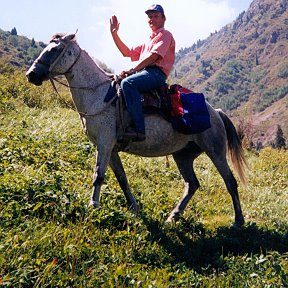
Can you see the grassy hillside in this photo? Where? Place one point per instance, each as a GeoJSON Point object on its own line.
{"type": "Point", "coordinates": [19, 51]}
{"type": "Point", "coordinates": [243, 68]}
{"type": "Point", "coordinates": [49, 237]}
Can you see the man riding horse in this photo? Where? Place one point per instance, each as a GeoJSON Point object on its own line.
{"type": "Point", "coordinates": [89, 84]}
{"type": "Point", "coordinates": [156, 58]}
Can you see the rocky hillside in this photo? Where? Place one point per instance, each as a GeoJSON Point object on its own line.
{"type": "Point", "coordinates": [243, 68]}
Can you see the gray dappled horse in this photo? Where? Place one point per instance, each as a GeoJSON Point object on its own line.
{"type": "Point", "coordinates": [89, 85]}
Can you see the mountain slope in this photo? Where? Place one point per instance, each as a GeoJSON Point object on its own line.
{"type": "Point", "coordinates": [19, 51]}
{"type": "Point", "coordinates": [243, 68]}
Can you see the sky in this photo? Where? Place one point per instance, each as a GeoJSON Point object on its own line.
{"type": "Point", "coordinates": [188, 20]}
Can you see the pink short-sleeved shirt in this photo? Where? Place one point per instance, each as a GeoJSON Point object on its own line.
{"type": "Point", "coordinates": [162, 43]}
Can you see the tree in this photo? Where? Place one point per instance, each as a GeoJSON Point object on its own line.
{"type": "Point", "coordinates": [279, 138]}
{"type": "Point", "coordinates": [274, 37]}
{"type": "Point", "coordinates": [14, 31]}
{"type": "Point", "coordinates": [257, 59]}
{"type": "Point", "coordinates": [205, 67]}
{"type": "Point", "coordinates": [259, 146]}
{"type": "Point", "coordinates": [33, 44]}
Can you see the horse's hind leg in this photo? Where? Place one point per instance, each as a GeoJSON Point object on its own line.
{"type": "Point", "coordinates": [117, 167]}
{"type": "Point", "coordinates": [184, 160]}
{"type": "Point", "coordinates": [222, 166]}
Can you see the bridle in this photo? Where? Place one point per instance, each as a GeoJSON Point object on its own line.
{"type": "Point", "coordinates": [53, 64]}
{"type": "Point", "coordinates": [52, 79]}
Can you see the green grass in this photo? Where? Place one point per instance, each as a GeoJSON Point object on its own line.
{"type": "Point", "coordinates": [50, 238]}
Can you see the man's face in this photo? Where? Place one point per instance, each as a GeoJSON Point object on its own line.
{"type": "Point", "coordinates": [155, 20]}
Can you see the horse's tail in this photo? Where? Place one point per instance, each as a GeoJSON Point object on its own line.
{"type": "Point", "coordinates": [235, 147]}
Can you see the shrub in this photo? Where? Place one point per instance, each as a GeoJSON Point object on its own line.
{"type": "Point", "coordinates": [283, 70]}
{"type": "Point", "coordinates": [15, 86]}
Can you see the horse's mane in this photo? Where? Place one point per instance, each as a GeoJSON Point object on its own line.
{"type": "Point", "coordinates": [97, 63]}
{"type": "Point", "coordinates": [59, 35]}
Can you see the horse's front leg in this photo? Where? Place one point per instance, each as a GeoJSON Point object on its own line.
{"type": "Point", "coordinates": [102, 160]}
{"type": "Point", "coordinates": [117, 167]}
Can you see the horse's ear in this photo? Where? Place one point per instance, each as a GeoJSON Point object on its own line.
{"type": "Point", "coordinates": [56, 36]}
{"type": "Point", "coordinates": [70, 37]}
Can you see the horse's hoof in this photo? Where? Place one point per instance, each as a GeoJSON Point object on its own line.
{"type": "Point", "coordinates": [136, 208]}
{"type": "Point", "coordinates": [238, 224]}
{"type": "Point", "coordinates": [93, 204]}
{"type": "Point", "coordinates": [135, 211]}
{"type": "Point", "coordinates": [173, 218]}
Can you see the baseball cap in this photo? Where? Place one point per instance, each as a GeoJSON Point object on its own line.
{"type": "Point", "coordinates": [155, 7]}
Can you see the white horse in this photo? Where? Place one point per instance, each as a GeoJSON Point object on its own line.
{"type": "Point", "coordinates": [89, 85]}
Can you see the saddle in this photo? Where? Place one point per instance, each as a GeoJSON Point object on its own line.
{"type": "Point", "coordinates": [153, 102]}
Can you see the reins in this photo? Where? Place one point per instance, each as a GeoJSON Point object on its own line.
{"type": "Point", "coordinates": [83, 114]}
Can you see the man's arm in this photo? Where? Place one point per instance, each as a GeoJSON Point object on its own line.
{"type": "Point", "coordinates": [150, 60]}
{"type": "Point", "coordinates": [114, 27]}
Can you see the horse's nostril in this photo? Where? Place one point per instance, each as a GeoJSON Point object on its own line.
{"type": "Point", "coordinates": [33, 78]}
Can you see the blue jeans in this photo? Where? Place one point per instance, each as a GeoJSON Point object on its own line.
{"type": "Point", "coordinates": [133, 85]}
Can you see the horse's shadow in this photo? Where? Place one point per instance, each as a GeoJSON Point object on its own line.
{"type": "Point", "coordinates": [197, 247]}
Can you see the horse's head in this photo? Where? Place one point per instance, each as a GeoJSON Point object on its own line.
{"type": "Point", "coordinates": [57, 58]}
